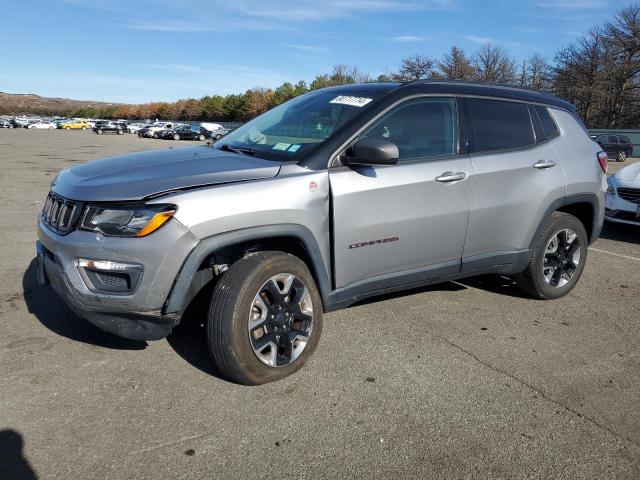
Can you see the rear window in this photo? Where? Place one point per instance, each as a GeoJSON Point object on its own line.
{"type": "Point", "coordinates": [548, 125]}
{"type": "Point", "coordinates": [624, 139]}
{"type": "Point", "coordinates": [500, 125]}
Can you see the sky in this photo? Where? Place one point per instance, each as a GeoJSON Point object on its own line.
{"type": "Point", "coordinates": [137, 51]}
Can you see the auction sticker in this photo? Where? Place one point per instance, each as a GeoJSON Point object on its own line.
{"type": "Point", "coordinates": [352, 101]}
{"type": "Point", "coordinates": [281, 146]}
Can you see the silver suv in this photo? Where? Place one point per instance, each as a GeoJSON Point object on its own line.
{"type": "Point", "coordinates": [337, 195]}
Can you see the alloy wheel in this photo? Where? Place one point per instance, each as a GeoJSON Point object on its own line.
{"type": "Point", "coordinates": [561, 258]}
{"type": "Point", "coordinates": [280, 320]}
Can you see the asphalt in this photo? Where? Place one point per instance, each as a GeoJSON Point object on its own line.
{"type": "Point", "coordinates": [459, 380]}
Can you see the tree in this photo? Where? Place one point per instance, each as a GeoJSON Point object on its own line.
{"type": "Point", "coordinates": [415, 67]}
{"type": "Point", "coordinates": [455, 66]}
{"type": "Point", "coordinates": [493, 64]}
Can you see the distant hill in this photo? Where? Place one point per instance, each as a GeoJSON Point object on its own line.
{"type": "Point", "coordinates": [16, 103]}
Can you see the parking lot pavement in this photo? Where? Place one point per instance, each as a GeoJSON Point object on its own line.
{"type": "Point", "coordinates": [462, 379]}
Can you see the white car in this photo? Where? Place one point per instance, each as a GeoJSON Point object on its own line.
{"type": "Point", "coordinates": [623, 196]}
{"type": "Point", "coordinates": [134, 127]}
{"type": "Point", "coordinates": [151, 130]}
{"type": "Point", "coordinates": [43, 125]}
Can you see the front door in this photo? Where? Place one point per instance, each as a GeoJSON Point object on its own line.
{"type": "Point", "coordinates": [405, 218]}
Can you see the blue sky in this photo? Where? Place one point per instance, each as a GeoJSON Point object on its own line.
{"type": "Point", "coordinates": [142, 50]}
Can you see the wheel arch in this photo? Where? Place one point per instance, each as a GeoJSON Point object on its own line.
{"type": "Point", "coordinates": [197, 270]}
{"type": "Point", "coordinates": [584, 206]}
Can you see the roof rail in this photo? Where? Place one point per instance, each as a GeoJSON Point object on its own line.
{"type": "Point", "coordinates": [472, 83]}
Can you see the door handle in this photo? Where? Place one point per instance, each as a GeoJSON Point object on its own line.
{"type": "Point", "coordinates": [448, 177]}
{"type": "Point", "coordinates": [541, 164]}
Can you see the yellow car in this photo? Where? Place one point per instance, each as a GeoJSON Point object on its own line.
{"type": "Point", "coordinates": [76, 125]}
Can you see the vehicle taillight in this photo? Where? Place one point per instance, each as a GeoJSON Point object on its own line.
{"type": "Point", "coordinates": [602, 160]}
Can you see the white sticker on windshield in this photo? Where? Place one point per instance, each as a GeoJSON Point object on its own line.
{"type": "Point", "coordinates": [281, 146]}
{"type": "Point", "coordinates": [352, 101]}
{"type": "Point", "coordinates": [294, 147]}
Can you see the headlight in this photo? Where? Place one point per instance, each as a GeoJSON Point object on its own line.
{"type": "Point", "coordinates": [611, 187]}
{"type": "Point", "coordinates": [126, 221]}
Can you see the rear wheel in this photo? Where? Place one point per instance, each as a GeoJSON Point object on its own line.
{"type": "Point", "coordinates": [201, 137]}
{"type": "Point", "coordinates": [120, 132]}
{"type": "Point", "coordinates": [176, 137]}
{"type": "Point", "coordinates": [84, 128]}
{"type": "Point", "coordinates": [99, 132]}
{"type": "Point", "coordinates": [558, 258]}
{"type": "Point", "coordinates": [265, 318]}
{"type": "Point", "coordinates": [622, 156]}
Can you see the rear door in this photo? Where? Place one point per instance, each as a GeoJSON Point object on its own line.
{"type": "Point", "coordinates": [517, 176]}
{"type": "Point", "coordinates": [389, 220]}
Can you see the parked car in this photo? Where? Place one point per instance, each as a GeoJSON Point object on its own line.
{"type": "Point", "coordinates": [136, 127]}
{"type": "Point", "coordinates": [43, 125]}
{"type": "Point", "coordinates": [110, 127]}
{"type": "Point", "coordinates": [184, 132]}
{"type": "Point", "coordinates": [623, 196]}
{"type": "Point", "coordinates": [332, 197]}
{"type": "Point", "coordinates": [75, 125]}
{"type": "Point", "coordinates": [6, 124]}
{"type": "Point", "coordinates": [216, 131]}
{"type": "Point", "coordinates": [616, 146]}
{"type": "Point", "coordinates": [151, 130]}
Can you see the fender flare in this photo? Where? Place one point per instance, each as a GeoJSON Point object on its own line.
{"type": "Point", "coordinates": [559, 203]}
{"type": "Point", "coordinates": [181, 293]}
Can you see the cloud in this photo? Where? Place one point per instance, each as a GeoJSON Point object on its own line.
{"type": "Point", "coordinates": [409, 38]}
{"type": "Point", "coordinates": [574, 4]}
{"type": "Point", "coordinates": [311, 49]}
{"type": "Point", "coordinates": [193, 16]}
{"type": "Point", "coordinates": [477, 39]}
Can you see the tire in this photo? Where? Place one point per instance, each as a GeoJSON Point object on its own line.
{"type": "Point", "coordinates": [622, 156]}
{"type": "Point", "coordinates": [84, 128]}
{"type": "Point", "coordinates": [218, 137]}
{"type": "Point", "coordinates": [533, 280]}
{"type": "Point", "coordinates": [176, 137]}
{"type": "Point", "coordinates": [67, 128]}
{"type": "Point", "coordinates": [234, 298]}
{"type": "Point", "coordinates": [99, 132]}
{"type": "Point", "coordinates": [120, 132]}
{"type": "Point", "coordinates": [50, 128]}
{"type": "Point", "coordinates": [201, 137]}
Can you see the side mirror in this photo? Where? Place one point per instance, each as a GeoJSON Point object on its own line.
{"type": "Point", "coordinates": [372, 151]}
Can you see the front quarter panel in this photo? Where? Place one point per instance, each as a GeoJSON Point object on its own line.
{"type": "Point", "coordinates": [295, 196]}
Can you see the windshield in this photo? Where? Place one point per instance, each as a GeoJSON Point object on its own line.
{"type": "Point", "coordinates": [298, 125]}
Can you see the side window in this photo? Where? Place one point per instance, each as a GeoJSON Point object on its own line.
{"type": "Point", "coordinates": [624, 139]}
{"type": "Point", "coordinates": [548, 125]}
{"type": "Point", "coordinates": [613, 139]}
{"type": "Point", "coordinates": [500, 125]}
{"type": "Point", "coordinates": [420, 128]}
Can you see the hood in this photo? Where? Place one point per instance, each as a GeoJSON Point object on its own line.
{"type": "Point", "coordinates": [138, 175]}
{"type": "Point", "coordinates": [629, 174]}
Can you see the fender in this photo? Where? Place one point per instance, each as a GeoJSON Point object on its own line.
{"type": "Point", "coordinates": [558, 204]}
{"type": "Point", "coordinates": [181, 293]}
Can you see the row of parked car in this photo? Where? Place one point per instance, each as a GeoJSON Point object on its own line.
{"type": "Point", "coordinates": [157, 129]}
{"type": "Point", "coordinates": [163, 130]}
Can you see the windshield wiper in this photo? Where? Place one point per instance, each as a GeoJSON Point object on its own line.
{"type": "Point", "coordinates": [243, 150]}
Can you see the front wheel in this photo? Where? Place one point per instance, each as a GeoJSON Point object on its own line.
{"type": "Point", "coordinates": [201, 137]}
{"type": "Point", "coordinates": [176, 137]}
{"type": "Point", "coordinates": [120, 132]}
{"type": "Point", "coordinates": [622, 156]}
{"type": "Point", "coordinates": [558, 258]}
{"type": "Point", "coordinates": [265, 318]}
{"type": "Point", "coordinates": [99, 132]}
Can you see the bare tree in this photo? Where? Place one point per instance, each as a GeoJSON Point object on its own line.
{"type": "Point", "coordinates": [493, 64]}
{"type": "Point", "coordinates": [415, 67]}
{"type": "Point", "coordinates": [455, 66]}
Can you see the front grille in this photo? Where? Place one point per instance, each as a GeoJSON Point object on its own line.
{"type": "Point", "coordinates": [630, 194]}
{"type": "Point", "coordinates": [59, 214]}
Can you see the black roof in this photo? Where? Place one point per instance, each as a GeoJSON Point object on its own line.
{"type": "Point", "coordinates": [454, 87]}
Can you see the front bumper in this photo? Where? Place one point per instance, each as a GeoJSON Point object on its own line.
{"type": "Point", "coordinates": [137, 315]}
{"type": "Point", "coordinates": [619, 210]}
